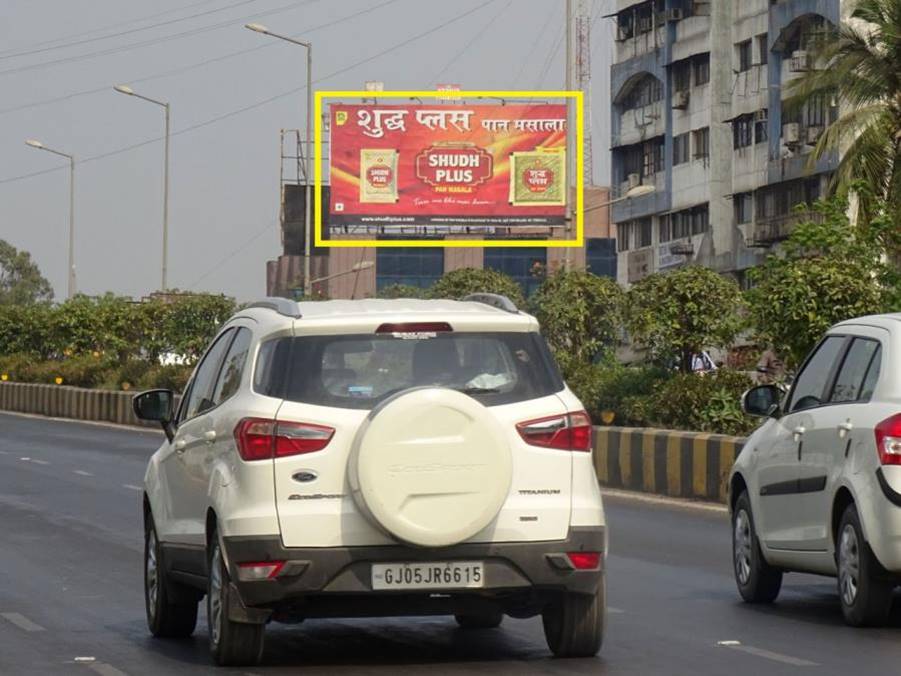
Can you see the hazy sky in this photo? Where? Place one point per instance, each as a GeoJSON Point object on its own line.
{"type": "Point", "coordinates": [223, 220]}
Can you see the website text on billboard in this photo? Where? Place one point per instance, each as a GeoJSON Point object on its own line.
{"type": "Point", "coordinates": [444, 164]}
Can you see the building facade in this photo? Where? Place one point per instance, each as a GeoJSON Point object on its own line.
{"type": "Point", "coordinates": [381, 267]}
{"type": "Point", "coordinates": [698, 91]}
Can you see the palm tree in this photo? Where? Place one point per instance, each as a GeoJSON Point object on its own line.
{"type": "Point", "coordinates": [859, 67]}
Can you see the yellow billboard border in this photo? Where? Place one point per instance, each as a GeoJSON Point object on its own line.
{"type": "Point", "coordinates": [577, 96]}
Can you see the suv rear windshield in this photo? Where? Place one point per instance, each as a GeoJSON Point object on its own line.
{"type": "Point", "coordinates": [359, 371]}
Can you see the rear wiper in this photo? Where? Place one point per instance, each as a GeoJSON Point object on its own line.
{"type": "Point", "coordinates": [478, 390]}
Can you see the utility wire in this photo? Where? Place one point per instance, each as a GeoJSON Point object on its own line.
{"type": "Point", "coordinates": [263, 102]}
{"type": "Point", "coordinates": [225, 259]}
{"type": "Point", "coordinates": [156, 41]}
{"type": "Point", "coordinates": [197, 64]}
{"type": "Point", "coordinates": [98, 38]}
{"type": "Point", "coordinates": [541, 30]}
{"type": "Point", "coordinates": [472, 40]}
{"type": "Point", "coordinates": [100, 29]}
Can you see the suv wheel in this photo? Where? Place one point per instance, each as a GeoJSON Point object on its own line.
{"type": "Point", "coordinates": [232, 643]}
{"type": "Point", "coordinates": [863, 585]}
{"type": "Point", "coordinates": [757, 581]}
{"type": "Point", "coordinates": [574, 623]}
{"type": "Point", "coordinates": [480, 621]}
{"type": "Point", "coordinates": [165, 617]}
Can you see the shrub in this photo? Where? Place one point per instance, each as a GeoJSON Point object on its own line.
{"type": "Point", "coordinates": [402, 291]}
{"type": "Point", "coordinates": [613, 388]}
{"type": "Point", "coordinates": [459, 283]}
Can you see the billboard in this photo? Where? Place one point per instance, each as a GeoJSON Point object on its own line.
{"type": "Point", "coordinates": [447, 164]}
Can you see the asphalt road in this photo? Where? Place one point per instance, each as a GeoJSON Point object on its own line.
{"type": "Point", "coordinates": [71, 599]}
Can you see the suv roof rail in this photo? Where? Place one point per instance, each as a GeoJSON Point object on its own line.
{"type": "Point", "coordinates": [495, 300]}
{"type": "Point", "coordinates": [284, 306]}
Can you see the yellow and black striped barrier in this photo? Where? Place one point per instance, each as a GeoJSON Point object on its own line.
{"type": "Point", "coordinates": [668, 462]}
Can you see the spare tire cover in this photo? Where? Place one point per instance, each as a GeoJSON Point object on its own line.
{"type": "Point", "coordinates": [431, 466]}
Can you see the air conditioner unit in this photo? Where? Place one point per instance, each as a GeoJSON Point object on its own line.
{"type": "Point", "coordinates": [634, 180]}
{"type": "Point", "coordinates": [675, 14]}
{"type": "Point", "coordinates": [791, 132]}
{"type": "Point", "coordinates": [680, 99]}
{"type": "Point", "coordinates": [800, 61]}
{"type": "Point", "coordinates": [813, 134]}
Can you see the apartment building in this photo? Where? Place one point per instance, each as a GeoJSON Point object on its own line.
{"type": "Point", "coordinates": [698, 91]}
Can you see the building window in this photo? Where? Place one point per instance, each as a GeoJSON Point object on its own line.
{"type": "Point", "coordinates": [652, 157]}
{"type": "Point", "coordinates": [600, 257]}
{"type": "Point", "coordinates": [742, 202]}
{"type": "Point", "coordinates": [743, 50]}
{"type": "Point", "coordinates": [701, 67]}
{"type": "Point", "coordinates": [781, 199]}
{"type": "Point", "coordinates": [681, 148]}
{"type": "Point", "coordinates": [742, 131]}
{"type": "Point", "coordinates": [665, 229]}
{"type": "Point", "coordinates": [762, 50]}
{"type": "Point", "coordinates": [645, 92]}
{"type": "Point", "coordinates": [760, 126]}
{"type": "Point", "coordinates": [420, 267]}
{"type": "Point", "coordinates": [644, 232]}
{"type": "Point", "coordinates": [623, 236]}
{"type": "Point", "coordinates": [526, 265]}
{"type": "Point", "coordinates": [701, 142]}
{"type": "Point", "coordinates": [682, 75]}
{"type": "Point", "coordinates": [700, 219]}
{"type": "Point", "coordinates": [680, 224]}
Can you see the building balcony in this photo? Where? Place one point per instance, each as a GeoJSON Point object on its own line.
{"type": "Point", "coordinates": [769, 232]}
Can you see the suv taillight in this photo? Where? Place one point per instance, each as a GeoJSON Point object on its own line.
{"type": "Point", "coordinates": [567, 432]}
{"type": "Point", "coordinates": [888, 440]}
{"type": "Point", "coordinates": [263, 439]}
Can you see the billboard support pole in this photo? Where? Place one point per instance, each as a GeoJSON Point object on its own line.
{"type": "Point", "coordinates": [570, 150]}
{"type": "Point", "coordinates": [307, 286]}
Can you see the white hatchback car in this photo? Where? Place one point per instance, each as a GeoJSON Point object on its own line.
{"type": "Point", "coordinates": [375, 457]}
{"type": "Point", "coordinates": [817, 488]}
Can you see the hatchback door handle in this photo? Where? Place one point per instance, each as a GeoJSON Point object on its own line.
{"type": "Point", "coordinates": [844, 428]}
{"type": "Point", "coordinates": [210, 436]}
{"type": "Point", "coordinates": [798, 432]}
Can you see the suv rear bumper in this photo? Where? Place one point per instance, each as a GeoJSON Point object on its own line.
{"type": "Point", "coordinates": [320, 571]}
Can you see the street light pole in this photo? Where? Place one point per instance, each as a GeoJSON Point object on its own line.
{"type": "Point", "coordinates": [308, 161]}
{"type": "Point", "coordinates": [71, 286]}
{"type": "Point", "coordinates": [128, 91]}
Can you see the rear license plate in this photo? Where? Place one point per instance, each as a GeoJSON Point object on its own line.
{"type": "Point", "coordinates": [436, 575]}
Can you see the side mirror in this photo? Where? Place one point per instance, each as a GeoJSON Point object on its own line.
{"type": "Point", "coordinates": [155, 406]}
{"type": "Point", "coordinates": [762, 401]}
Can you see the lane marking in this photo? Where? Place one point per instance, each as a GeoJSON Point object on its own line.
{"type": "Point", "coordinates": [105, 669]}
{"type": "Point", "coordinates": [766, 654]}
{"type": "Point", "coordinates": [663, 500]}
{"type": "Point", "coordinates": [21, 622]}
{"type": "Point", "coordinates": [36, 461]}
{"type": "Point", "coordinates": [615, 611]}
{"type": "Point", "coordinates": [81, 472]}
{"type": "Point", "coordinates": [132, 487]}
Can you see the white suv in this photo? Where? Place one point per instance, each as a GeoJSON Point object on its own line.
{"type": "Point", "coordinates": [375, 457]}
{"type": "Point", "coordinates": [817, 488]}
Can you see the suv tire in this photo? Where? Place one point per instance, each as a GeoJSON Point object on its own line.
{"type": "Point", "coordinates": [864, 588]}
{"type": "Point", "coordinates": [480, 621]}
{"type": "Point", "coordinates": [574, 623]}
{"type": "Point", "coordinates": [166, 617]}
{"type": "Point", "coordinates": [757, 581]}
{"type": "Point", "coordinates": [232, 644]}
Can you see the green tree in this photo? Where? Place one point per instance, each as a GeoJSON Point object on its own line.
{"type": "Point", "coordinates": [859, 66]}
{"type": "Point", "coordinates": [826, 272]}
{"type": "Point", "coordinates": [579, 313]}
{"type": "Point", "coordinates": [21, 281]}
{"type": "Point", "coordinates": [402, 291]}
{"type": "Point", "coordinates": [464, 281]}
{"type": "Point", "coordinates": [680, 313]}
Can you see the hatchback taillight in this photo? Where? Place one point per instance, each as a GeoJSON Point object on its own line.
{"type": "Point", "coordinates": [888, 440]}
{"type": "Point", "coordinates": [566, 432]}
{"type": "Point", "coordinates": [263, 439]}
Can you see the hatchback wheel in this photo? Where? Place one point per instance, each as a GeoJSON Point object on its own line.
{"type": "Point", "coordinates": [167, 617]}
{"type": "Point", "coordinates": [864, 588]}
{"type": "Point", "coordinates": [757, 581]}
{"type": "Point", "coordinates": [232, 644]}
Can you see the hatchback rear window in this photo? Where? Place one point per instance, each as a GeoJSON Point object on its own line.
{"type": "Point", "coordinates": [359, 371]}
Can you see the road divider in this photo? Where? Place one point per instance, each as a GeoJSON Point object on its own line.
{"type": "Point", "coordinates": [667, 462]}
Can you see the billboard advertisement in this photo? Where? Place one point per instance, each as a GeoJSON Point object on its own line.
{"type": "Point", "coordinates": [447, 164]}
